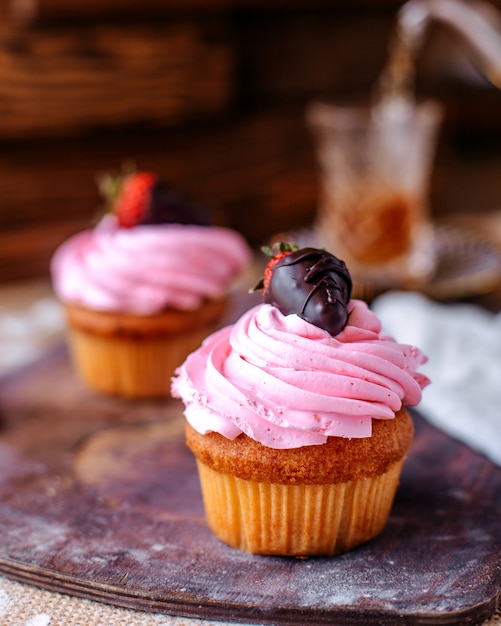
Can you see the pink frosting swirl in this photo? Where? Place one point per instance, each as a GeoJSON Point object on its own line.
{"type": "Point", "coordinates": [287, 383]}
{"type": "Point", "coordinates": [147, 268]}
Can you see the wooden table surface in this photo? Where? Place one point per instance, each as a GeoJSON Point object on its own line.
{"type": "Point", "coordinates": [19, 600]}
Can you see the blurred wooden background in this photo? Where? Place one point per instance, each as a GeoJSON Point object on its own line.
{"type": "Point", "coordinates": [210, 94]}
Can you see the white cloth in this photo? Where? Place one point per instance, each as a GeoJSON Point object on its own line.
{"type": "Point", "coordinates": [463, 345]}
{"type": "Point", "coordinates": [25, 334]}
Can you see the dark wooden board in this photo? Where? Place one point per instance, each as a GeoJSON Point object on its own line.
{"type": "Point", "coordinates": [99, 498]}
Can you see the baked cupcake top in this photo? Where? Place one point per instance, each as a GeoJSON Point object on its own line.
{"type": "Point", "coordinates": [153, 250]}
{"type": "Point", "coordinates": [284, 380]}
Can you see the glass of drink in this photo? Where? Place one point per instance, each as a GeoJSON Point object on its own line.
{"type": "Point", "coordinates": [375, 165]}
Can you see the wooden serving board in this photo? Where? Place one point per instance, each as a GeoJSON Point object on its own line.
{"type": "Point", "coordinates": [99, 498]}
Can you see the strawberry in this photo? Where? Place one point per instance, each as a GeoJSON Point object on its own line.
{"type": "Point", "coordinates": [128, 196]}
{"type": "Point", "coordinates": [310, 283]}
{"type": "Point", "coordinates": [277, 252]}
{"type": "Point", "coordinates": [142, 198]}
{"type": "Point", "coordinates": [170, 206]}
{"type": "Point", "coordinates": [132, 203]}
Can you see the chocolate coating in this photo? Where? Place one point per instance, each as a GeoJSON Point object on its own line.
{"type": "Point", "coordinates": [313, 284]}
{"type": "Point", "coordinates": [168, 206]}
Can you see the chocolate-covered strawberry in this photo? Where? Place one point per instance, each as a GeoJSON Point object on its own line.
{"type": "Point", "coordinates": [312, 283]}
{"type": "Point", "coordinates": [169, 206]}
{"type": "Point", "coordinates": [138, 198]}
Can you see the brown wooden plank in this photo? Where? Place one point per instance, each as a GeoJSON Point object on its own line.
{"type": "Point", "coordinates": [27, 252]}
{"type": "Point", "coordinates": [255, 174]}
{"type": "Point", "coordinates": [99, 498]}
{"type": "Point", "coordinates": [70, 77]}
{"type": "Point", "coordinates": [49, 10]}
{"type": "Point", "coordinates": [317, 53]}
{"type": "Point", "coordinates": [57, 81]}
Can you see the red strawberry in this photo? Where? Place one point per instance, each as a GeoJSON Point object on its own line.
{"type": "Point", "coordinates": [313, 284]}
{"type": "Point", "coordinates": [308, 282]}
{"type": "Point", "coordinates": [269, 268]}
{"type": "Point", "coordinates": [132, 201]}
{"type": "Point", "coordinates": [140, 198]}
{"type": "Point", "coordinates": [277, 252]}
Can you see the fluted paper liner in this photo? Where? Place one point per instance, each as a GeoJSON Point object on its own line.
{"type": "Point", "coordinates": [299, 520]}
{"type": "Point", "coordinates": [135, 356]}
{"type": "Point", "coordinates": [131, 368]}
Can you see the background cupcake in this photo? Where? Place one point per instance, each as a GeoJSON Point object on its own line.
{"type": "Point", "coordinates": [145, 286]}
{"type": "Point", "coordinates": [296, 414]}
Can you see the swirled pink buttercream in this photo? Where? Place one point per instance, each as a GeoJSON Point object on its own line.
{"type": "Point", "coordinates": [147, 268]}
{"type": "Point", "coordinates": [287, 383]}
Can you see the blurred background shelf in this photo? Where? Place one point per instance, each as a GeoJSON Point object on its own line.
{"type": "Point", "coordinates": [210, 94]}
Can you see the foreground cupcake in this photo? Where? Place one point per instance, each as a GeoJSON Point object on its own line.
{"type": "Point", "coordinates": [144, 287]}
{"type": "Point", "coordinates": [296, 414]}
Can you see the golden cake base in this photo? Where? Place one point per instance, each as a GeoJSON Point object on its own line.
{"type": "Point", "coordinates": [135, 356]}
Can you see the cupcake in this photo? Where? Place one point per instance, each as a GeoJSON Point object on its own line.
{"type": "Point", "coordinates": [144, 286]}
{"type": "Point", "coordinates": [296, 414]}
